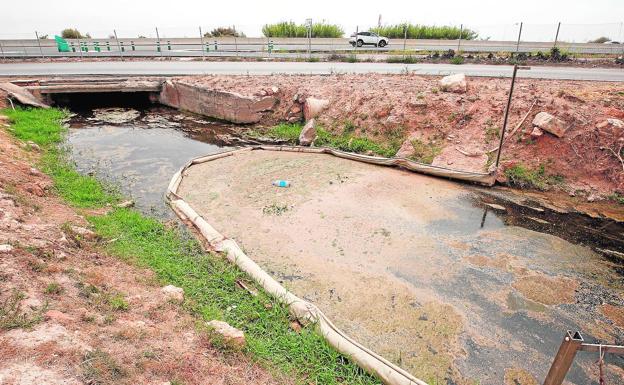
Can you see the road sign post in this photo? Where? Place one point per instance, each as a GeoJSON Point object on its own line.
{"type": "Point", "coordinates": [557, 34]}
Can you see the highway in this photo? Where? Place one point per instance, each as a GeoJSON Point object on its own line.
{"type": "Point", "coordinates": [169, 68]}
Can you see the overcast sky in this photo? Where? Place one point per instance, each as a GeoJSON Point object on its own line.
{"type": "Point", "coordinates": [492, 18]}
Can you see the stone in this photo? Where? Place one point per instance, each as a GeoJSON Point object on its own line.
{"type": "Point", "coordinates": [611, 122]}
{"type": "Point", "coordinates": [232, 337]}
{"type": "Point", "coordinates": [173, 293]}
{"type": "Point", "coordinates": [32, 145]}
{"type": "Point", "coordinates": [6, 248]}
{"type": "Point", "coordinates": [536, 133]}
{"type": "Point", "coordinates": [406, 150]}
{"type": "Point", "coordinates": [454, 83]}
{"type": "Point", "coordinates": [57, 316]}
{"type": "Point", "coordinates": [84, 233]}
{"type": "Point", "coordinates": [496, 207]}
{"type": "Point", "coordinates": [550, 123]}
{"type": "Point", "coordinates": [34, 189]}
{"type": "Point", "coordinates": [125, 204]}
{"type": "Point", "coordinates": [308, 133]}
{"type": "Point", "coordinates": [115, 115]}
{"type": "Point", "coordinates": [313, 107]}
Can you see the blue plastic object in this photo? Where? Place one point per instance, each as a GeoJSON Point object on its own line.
{"type": "Point", "coordinates": [281, 183]}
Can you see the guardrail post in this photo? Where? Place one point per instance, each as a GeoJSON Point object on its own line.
{"type": "Point", "coordinates": [71, 44]}
{"type": "Point", "coordinates": [96, 47]}
{"type": "Point", "coordinates": [519, 34]}
{"type": "Point", "coordinates": [123, 48]}
{"type": "Point", "coordinates": [80, 48]}
{"type": "Point", "coordinates": [216, 47]}
{"type": "Point", "coordinates": [201, 47]}
{"type": "Point", "coordinates": [132, 46]}
{"type": "Point", "coordinates": [108, 46]}
{"type": "Point", "coordinates": [168, 45]}
{"type": "Point", "coordinates": [39, 42]}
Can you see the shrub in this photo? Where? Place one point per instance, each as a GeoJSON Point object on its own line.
{"type": "Point", "coordinates": [600, 40]}
{"type": "Point", "coordinates": [409, 59]}
{"type": "Point", "coordinates": [73, 33]}
{"type": "Point", "coordinates": [290, 29]}
{"type": "Point", "coordinates": [424, 152]}
{"type": "Point", "coordinates": [224, 32]}
{"type": "Point", "coordinates": [457, 60]}
{"type": "Point", "coordinates": [417, 31]}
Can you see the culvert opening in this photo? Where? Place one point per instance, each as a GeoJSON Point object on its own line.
{"type": "Point", "coordinates": [83, 101]}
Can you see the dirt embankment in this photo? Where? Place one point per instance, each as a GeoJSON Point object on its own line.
{"type": "Point", "coordinates": [458, 129]}
{"type": "Point", "coordinates": [71, 314]}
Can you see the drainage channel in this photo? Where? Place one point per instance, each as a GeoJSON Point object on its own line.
{"type": "Point", "coordinates": [496, 258]}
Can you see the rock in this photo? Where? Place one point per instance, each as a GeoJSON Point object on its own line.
{"type": "Point", "coordinates": [274, 90]}
{"type": "Point", "coordinates": [173, 293]}
{"type": "Point", "coordinates": [454, 83]}
{"type": "Point", "coordinates": [34, 172]}
{"type": "Point", "coordinates": [308, 133]}
{"type": "Point", "coordinates": [57, 316]}
{"type": "Point", "coordinates": [293, 119]}
{"type": "Point", "coordinates": [406, 150]}
{"type": "Point", "coordinates": [550, 123]}
{"type": "Point", "coordinates": [611, 122]}
{"type": "Point", "coordinates": [84, 233]}
{"type": "Point", "coordinates": [34, 189]}
{"type": "Point", "coordinates": [536, 133]}
{"type": "Point", "coordinates": [125, 204]}
{"type": "Point", "coordinates": [115, 115]}
{"type": "Point", "coordinates": [232, 337]}
{"type": "Point", "coordinates": [496, 207]}
{"type": "Point", "coordinates": [6, 248]}
{"type": "Point", "coordinates": [313, 107]}
{"type": "Point", "coordinates": [32, 145]}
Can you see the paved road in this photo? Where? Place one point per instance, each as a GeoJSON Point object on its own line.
{"type": "Point", "coordinates": [249, 46]}
{"type": "Point", "coordinates": [266, 68]}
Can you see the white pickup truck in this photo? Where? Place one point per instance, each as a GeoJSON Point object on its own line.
{"type": "Point", "coordinates": [368, 38]}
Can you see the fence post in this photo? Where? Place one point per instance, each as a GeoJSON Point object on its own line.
{"type": "Point", "coordinates": [557, 34]}
{"type": "Point", "coordinates": [118, 45]}
{"type": "Point", "coordinates": [519, 34]}
{"type": "Point", "coordinates": [39, 42]}
{"type": "Point", "coordinates": [502, 136]}
{"type": "Point", "coordinates": [201, 39]}
{"type": "Point", "coordinates": [404, 39]}
{"type": "Point", "coordinates": [461, 30]}
{"type": "Point", "coordinates": [158, 42]}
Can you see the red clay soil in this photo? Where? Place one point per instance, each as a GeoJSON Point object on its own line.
{"type": "Point", "coordinates": [78, 341]}
{"type": "Point", "coordinates": [379, 106]}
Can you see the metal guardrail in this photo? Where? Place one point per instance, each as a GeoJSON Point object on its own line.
{"type": "Point", "coordinates": [267, 46]}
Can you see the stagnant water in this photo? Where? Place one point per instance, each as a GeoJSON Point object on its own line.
{"type": "Point", "coordinates": [140, 156]}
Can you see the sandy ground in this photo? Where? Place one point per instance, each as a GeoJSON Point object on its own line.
{"type": "Point", "coordinates": [80, 340]}
{"type": "Point", "coordinates": [399, 261]}
{"type": "Point", "coordinates": [414, 107]}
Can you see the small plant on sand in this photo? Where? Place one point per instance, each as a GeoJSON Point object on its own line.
{"type": "Point", "coordinates": [457, 60]}
{"type": "Point", "coordinates": [491, 131]}
{"type": "Point", "coordinates": [54, 288]}
{"type": "Point", "coordinates": [99, 368]}
{"type": "Point", "coordinates": [524, 177]}
{"type": "Point", "coordinates": [12, 316]}
{"type": "Point", "coordinates": [424, 152]}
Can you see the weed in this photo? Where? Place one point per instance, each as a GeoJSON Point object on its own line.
{"type": "Point", "coordinates": [409, 59]}
{"type": "Point", "coordinates": [54, 288]}
{"type": "Point", "coordinates": [491, 131]}
{"type": "Point", "coordinates": [523, 177]}
{"type": "Point", "coordinates": [99, 368]}
{"type": "Point", "coordinates": [37, 266]}
{"type": "Point", "coordinates": [352, 59]}
{"type": "Point", "coordinates": [313, 59]}
{"type": "Point", "coordinates": [274, 209]}
{"type": "Point", "coordinates": [289, 132]}
{"type": "Point", "coordinates": [117, 302]}
{"type": "Point", "coordinates": [618, 198]}
{"type": "Point", "coordinates": [424, 152]}
{"type": "Point", "coordinates": [457, 60]}
{"type": "Point", "coordinates": [12, 317]}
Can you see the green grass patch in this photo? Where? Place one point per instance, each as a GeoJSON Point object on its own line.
{"type": "Point", "coordinates": [208, 280]}
{"type": "Point", "coordinates": [424, 152]}
{"type": "Point", "coordinates": [409, 59]}
{"type": "Point", "coordinates": [524, 177]}
{"type": "Point", "coordinates": [457, 60]}
{"type": "Point", "coordinates": [44, 128]}
{"type": "Point", "coordinates": [618, 198]}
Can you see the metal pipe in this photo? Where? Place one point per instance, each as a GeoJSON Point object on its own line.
{"type": "Point", "coordinates": [563, 360]}
{"type": "Point", "coordinates": [158, 39]}
{"type": "Point", "coordinates": [502, 136]}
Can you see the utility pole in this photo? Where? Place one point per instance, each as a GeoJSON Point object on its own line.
{"type": "Point", "coordinates": [557, 34]}
{"type": "Point", "coordinates": [502, 136]}
{"type": "Point", "coordinates": [519, 34]}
